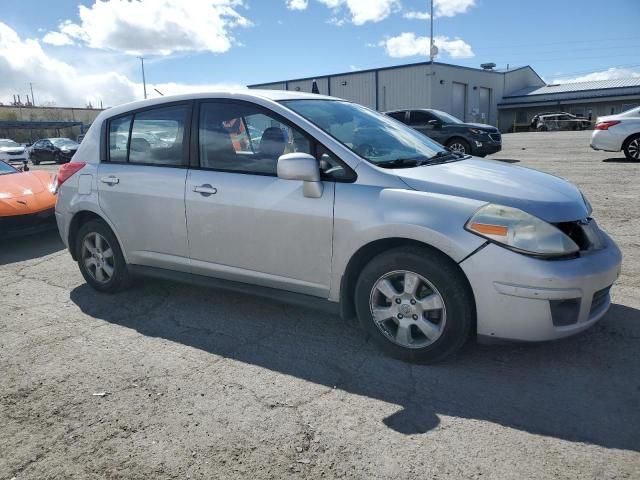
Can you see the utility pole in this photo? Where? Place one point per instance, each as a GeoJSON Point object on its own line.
{"type": "Point", "coordinates": [431, 56]}
{"type": "Point", "coordinates": [144, 82]}
{"type": "Point", "coordinates": [33, 100]}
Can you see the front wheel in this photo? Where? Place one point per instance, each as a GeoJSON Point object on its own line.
{"type": "Point", "coordinates": [416, 304]}
{"type": "Point", "coordinates": [100, 258]}
{"type": "Point", "coordinates": [632, 148]}
{"type": "Point", "coordinates": [459, 145]}
{"type": "Point", "coordinates": [56, 159]}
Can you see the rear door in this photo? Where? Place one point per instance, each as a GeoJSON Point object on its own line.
{"type": "Point", "coordinates": [141, 184]}
{"type": "Point", "coordinates": [246, 224]}
{"type": "Point", "coordinates": [419, 120]}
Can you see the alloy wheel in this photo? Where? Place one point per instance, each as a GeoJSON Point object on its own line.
{"type": "Point", "coordinates": [457, 147]}
{"type": "Point", "coordinates": [408, 309]}
{"type": "Point", "coordinates": [634, 148]}
{"type": "Point", "coordinates": [97, 256]}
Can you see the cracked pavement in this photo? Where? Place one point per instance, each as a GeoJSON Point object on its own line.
{"type": "Point", "coordinates": [209, 384]}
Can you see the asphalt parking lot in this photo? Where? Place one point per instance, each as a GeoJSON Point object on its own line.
{"type": "Point", "coordinates": [198, 383]}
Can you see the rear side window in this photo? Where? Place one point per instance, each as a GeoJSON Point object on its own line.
{"type": "Point", "coordinates": [398, 116]}
{"type": "Point", "coordinates": [119, 138]}
{"type": "Point", "coordinates": [150, 137]}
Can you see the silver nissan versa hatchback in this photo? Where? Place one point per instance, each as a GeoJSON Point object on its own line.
{"type": "Point", "coordinates": [317, 200]}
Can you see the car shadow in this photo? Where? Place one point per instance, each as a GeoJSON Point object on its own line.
{"type": "Point", "coordinates": [28, 247]}
{"type": "Point", "coordinates": [619, 160]}
{"type": "Point", "coordinates": [583, 389]}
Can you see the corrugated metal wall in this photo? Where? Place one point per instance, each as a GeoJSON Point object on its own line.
{"type": "Point", "coordinates": [403, 88]}
{"type": "Point", "coordinates": [356, 87]}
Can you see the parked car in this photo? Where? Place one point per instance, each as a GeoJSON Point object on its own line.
{"type": "Point", "coordinates": [339, 205]}
{"type": "Point", "coordinates": [26, 201]}
{"type": "Point", "coordinates": [468, 138]}
{"type": "Point", "coordinates": [544, 122]}
{"type": "Point", "coordinates": [618, 132]}
{"type": "Point", "coordinates": [57, 150]}
{"type": "Point", "coordinates": [11, 151]}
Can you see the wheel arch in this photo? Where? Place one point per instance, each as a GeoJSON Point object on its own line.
{"type": "Point", "coordinates": [370, 250]}
{"type": "Point", "coordinates": [629, 138]}
{"type": "Point", "coordinates": [80, 218]}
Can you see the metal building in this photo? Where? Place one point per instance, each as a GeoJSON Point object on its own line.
{"type": "Point", "coordinates": [471, 94]}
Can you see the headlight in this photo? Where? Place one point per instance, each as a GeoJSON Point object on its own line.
{"type": "Point", "coordinates": [517, 230]}
{"type": "Point", "coordinates": [476, 131]}
{"type": "Point", "coordinates": [65, 150]}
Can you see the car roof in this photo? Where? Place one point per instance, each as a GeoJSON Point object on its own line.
{"type": "Point", "coordinates": [239, 94]}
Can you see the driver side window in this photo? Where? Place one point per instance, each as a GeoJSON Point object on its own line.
{"type": "Point", "coordinates": [243, 138]}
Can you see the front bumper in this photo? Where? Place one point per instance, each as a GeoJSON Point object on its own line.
{"type": "Point", "coordinates": [529, 299]}
{"type": "Point", "coordinates": [18, 158]}
{"type": "Point", "coordinates": [19, 225]}
{"type": "Point", "coordinates": [605, 140]}
{"type": "Point", "coordinates": [484, 147]}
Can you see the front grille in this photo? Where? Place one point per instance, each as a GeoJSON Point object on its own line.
{"type": "Point", "coordinates": [14, 153]}
{"type": "Point", "coordinates": [600, 298]}
{"type": "Point", "coordinates": [16, 223]}
{"type": "Point", "coordinates": [564, 312]}
{"type": "Point", "coordinates": [585, 233]}
{"type": "Point", "coordinates": [496, 137]}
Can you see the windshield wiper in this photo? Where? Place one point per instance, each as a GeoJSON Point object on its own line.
{"type": "Point", "coordinates": [400, 163]}
{"type": "Point", "coordinates": [446, 155]}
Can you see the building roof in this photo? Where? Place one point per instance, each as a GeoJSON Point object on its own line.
{"type": "Point", "coordinates": [577, 91]}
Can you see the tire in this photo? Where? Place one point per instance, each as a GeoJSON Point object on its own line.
{"type": "Point", "coordinates": [459, 145]}
{"type": "Point", "coordinates": [56, 159]}
{"type": "Point", "coordinates": [447, 317]}
{"type": "Point", "coordinates": [632, 148]}
{"type": "Point", "coordinates": [35, 161]}
{"type": "Point", "coordinates": [102, 266]}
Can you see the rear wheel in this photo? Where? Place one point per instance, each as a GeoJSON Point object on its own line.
{"type": "Point", "coordinates": [459, 145]}
{"type": "Point", "coordinates": [632, 148]}
{"type": "Point", "coordinates": [415, 303]}
{"type": "Point", "coordinates": [100, 258]}
{"type": "Point", "coordinates": [56, 158]}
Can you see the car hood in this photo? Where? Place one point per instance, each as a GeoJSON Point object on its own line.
{"type": "Point", "coordinates": [481, 126]}
{"type": "Point", "coordinates": [12, 149]}
{"type": "Point", "coordinates": [24, 193]}
{"type": "Point", "coordinates": [545, 196]}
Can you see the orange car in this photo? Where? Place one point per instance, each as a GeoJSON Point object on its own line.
{"type": "Point", "coordinates": [26, 201]}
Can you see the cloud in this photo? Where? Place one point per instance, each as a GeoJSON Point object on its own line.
{"type": "Point", "coordinates": [24, 61]}
{"type": "Point", "coordinates": [408, 45]}
{"type": "Point", "coordinates": [363, 11]}
{"type": "Point", "coordinates": [417, 15]}
{"type": "Point", "coordinates": [613, 73]}
{"type": "Point", "coordinates": [58, 39]}
{"type": "Point", "coordinates": [159, 27]}
{"type": "Point", "coordinates": [297, 4]}
{"type": "Point", "coordinates": [451, 8]}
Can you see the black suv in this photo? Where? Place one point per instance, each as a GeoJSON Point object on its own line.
{"type": "Point", "coordinates": [473, 138]}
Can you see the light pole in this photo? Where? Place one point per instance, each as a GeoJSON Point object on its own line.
{"type": "Point", "coordinates": [33, 101]}
{"type": "Point", "coordinates": [144, 82]}
{"type": "Point", "coordinates": [432, 54]}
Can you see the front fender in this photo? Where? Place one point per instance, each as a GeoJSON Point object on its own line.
{"type": "Point", "coordinates": [365, 214]}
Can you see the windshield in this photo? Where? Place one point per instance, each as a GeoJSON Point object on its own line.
{"type": "Point", "coordinates": [445, 117]}
{"type": "Point", "coordinates": [375, 137]}
{"type": "Point", "coordinates": [8, 143]}
{"type": "Point", "coordinates": [63, 142]}
{"type": "Point", "coordinates": [6, 168]}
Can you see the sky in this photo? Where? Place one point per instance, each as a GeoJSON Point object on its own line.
{"type": "Point", "coordinates": [80, 52]}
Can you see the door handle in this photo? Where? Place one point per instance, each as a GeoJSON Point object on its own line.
{"type": "Point", "coordinates": [111, 180]}
{"type": "Point", "coordinates": [205, 190]}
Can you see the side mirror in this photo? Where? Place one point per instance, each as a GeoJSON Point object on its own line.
{"type": "Point", "coordinates": [435, 123]}
{"type": "Point", "coordinates": [301, 166]}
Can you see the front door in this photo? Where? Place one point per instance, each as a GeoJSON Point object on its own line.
{"type": "Point", "coordinates": [246, 224]}
{"type": "Point", "coordinates": [423, 121]}
{"type": "Point", "coordinates": [141, 186]}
